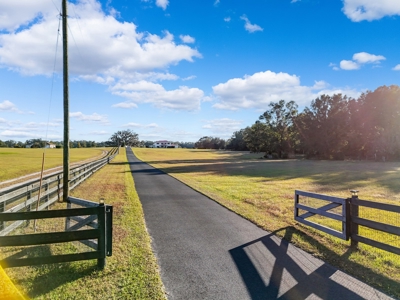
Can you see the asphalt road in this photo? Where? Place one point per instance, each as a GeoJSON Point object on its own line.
{"type": "Point", "coordinates": [208, 252]}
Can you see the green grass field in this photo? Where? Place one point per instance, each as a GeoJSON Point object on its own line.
{"type": "Point", "coordinates": [260, 190]}
{"type": "Point", "coordinates": [130, 273]}
{"type": "Point", "coordinates": [16, 162]}
{"type": "Point", "coordinates": [263, 192]}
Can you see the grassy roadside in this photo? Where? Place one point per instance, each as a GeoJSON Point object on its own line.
{"type": "Point", "coordinates": [262, 191]}
{"type": "Point", "coordinates": [132, 271]}
{"type": "Point", "coordinates": [17, 162]}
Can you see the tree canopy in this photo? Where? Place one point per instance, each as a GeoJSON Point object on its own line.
{"type": "Point", "coordinates": [125, 138]}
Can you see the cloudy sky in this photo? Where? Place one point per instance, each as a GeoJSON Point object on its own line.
{"type": "Point", "coordinates": [179, 69]}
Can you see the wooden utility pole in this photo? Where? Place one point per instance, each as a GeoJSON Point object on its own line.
{"type": "Point", "coordinates": [66, 103]}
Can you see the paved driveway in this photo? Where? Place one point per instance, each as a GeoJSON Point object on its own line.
{"type": "Point", "coordinates": [208, 252]}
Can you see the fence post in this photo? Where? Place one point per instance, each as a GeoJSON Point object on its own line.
{"type": "Point", "coordinates": [101, 242]}
{"type": "Point", "coordinates": [354, 212]}
{"type": "Point", "coordinates": [2, 206]}
{"type": "Point", "coordinates": [59, 188]}
{"type": "Point", "coordinates": [109, 228]}
{"type": "Point", "coordinates": [68, 219]}
{"type": "Point", "coordinates": [28, 197]}
{"type": "Point", "coordinates": [347, 209]}
{"type": "Point", "coordinates": [46, 190]}
{"type": "Point", "coordinates": [296, 201]}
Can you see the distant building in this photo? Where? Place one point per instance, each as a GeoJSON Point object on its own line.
{"type": "Point", "coordinates": [50, 145]}
{"type": "Point", "coordinates": [36, 145]}
{"type": "Point", "coordinates": [164, 144]}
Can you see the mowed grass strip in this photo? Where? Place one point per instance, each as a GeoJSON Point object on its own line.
{"type": "Point", "coordinates": [130, 273]}
{"type": "Point", "coordinates": [263, 191]}
{"type": "Point", "coordinates": [16, 162]}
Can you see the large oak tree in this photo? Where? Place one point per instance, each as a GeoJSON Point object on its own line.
{"type": "Point", "coordinates": [125, 138]}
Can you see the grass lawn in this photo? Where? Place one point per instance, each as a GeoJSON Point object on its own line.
{"type": "Point", "coordinates": [16, 162]}
{"type": "Point", "coordinates": [131, 272]}
{"type": "Point", "coordinates": [263, 191]}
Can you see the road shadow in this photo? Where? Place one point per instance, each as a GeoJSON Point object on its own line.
{"type": "Point", "coordinates": [272, 268]}
{"type": "Point", "coordinates": [336, 175]}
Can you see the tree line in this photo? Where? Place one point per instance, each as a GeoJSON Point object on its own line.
{"type": "Point", "coordinates": [119, 138]}
{"type": "Point", "coordinates": [332, 127]}
{"type": "Point", "coordinates": [39, 143]}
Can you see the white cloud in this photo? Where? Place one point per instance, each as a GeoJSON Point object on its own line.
{"type": "Point", "coordinates": [31, 50]}
{"type": "Point", "coordinates": [333, 66]}
{"type": "Point", "coordinates": [349, 92]}
{"type": "Point", "coordinates": [294, 1]}
{"type": "Point", "coordinates": [35, 125]}
{"type": "Point", "coordinates": [125, 105]}
{"type": "Point", "coordinates": [17, 13]}
{"type": "Point", "coordinates": [107, 80]}
{"type": "Point", "coordinates": [250, 27]}
{"type": "Point", "coordinates": [104, 51]}
{"type": "Point", "coordinates": [396, 68]}
{"type": "Point", "coordinates": [183, 98]}
{"type": "Point", "coordinates": [258, 90]}
{"type": "Point", "coordinates": [224, 126]}
{"type": "Point", "coordinates": [366, 58]}
{"type": "Point", "coordinates": [19, 132]}
{"type": "Point", "coordinates": [187, 39]}
{"type": "Point", "coordinates": [359, 10]}
{"type": "Point", "coordinates": [208, 98]}
{"type": "Point", "coordinates": [359, 59]}
{"type": "Point", "coordinates": [227, 19]}
{"type": "Point", "coordinates": [101, 132]}
{"type": "Point", "coordinates": [89, 118]}
{"type": "Point", "coordinates": [8, 106]}
{"type": "Point", "coordinates": [216, 2]}
{"type": "Point", "coordinates": [349, 65]}
{"type": "Point", "coordinates": [131, 76]}
{"type": "Point", "coordinates": [137, 125]}
{"type": "Point", "coordinates": [189, 78]}
{"type": "Point", "coordinates": [162, 3]}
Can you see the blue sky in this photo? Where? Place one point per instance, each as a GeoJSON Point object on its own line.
{"type": "Point", "coordinates": [180, 70]}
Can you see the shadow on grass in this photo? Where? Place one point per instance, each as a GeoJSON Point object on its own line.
{"type": "Point", "coordinates": [46, 278]}
{"type": "Point", "coordinates": [340, 175]}
{"type": "Point", "coordinates": [272, 269]}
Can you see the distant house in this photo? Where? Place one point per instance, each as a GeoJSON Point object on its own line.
{"type": "Point", "coordinates": [36, 145]}
{"type": "Point", "coordinates": [50, 145]}
{"type": "Point", "coordinates": [164, 144]}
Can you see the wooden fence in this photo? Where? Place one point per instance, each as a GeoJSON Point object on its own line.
{"type": "Point", "coordinates": [73, 223]}
{"type": "Point", "coordinates": [322, 211]}
{"type": "Point", "coordinates": [98, 233]}
{"type": "Point", "coordinates": [24, 196]}
{"type": "Point", "coordinates": [93, 221]}
{"type": "Point", "coordinates": [349, 218]}
{"type": "Point", "coordinates": [356, 221]}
